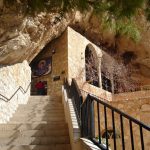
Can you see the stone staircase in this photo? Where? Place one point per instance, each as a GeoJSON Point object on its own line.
{"type": "Point", "coordinates": [38, 125]}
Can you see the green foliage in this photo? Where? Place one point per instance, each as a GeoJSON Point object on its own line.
{"type": "Point", "coordinates": [130, 7]}
{"type": "Point", "coordinates": [117, 15]}
{"type": "Point", "coordinates": [119, 8]}
{"type": "Point", "coordinates": [122, 27]}
{"type": "Point", "coordinates": [40, 5]}
{"type": "Point", "coordinates": [129, 29]}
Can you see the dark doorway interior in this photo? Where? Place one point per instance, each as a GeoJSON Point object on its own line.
{"type": "Point", "coordinates": [38, 87]}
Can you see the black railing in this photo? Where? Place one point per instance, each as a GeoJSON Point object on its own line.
{"type": "Point", "coordinates": [20, 88]}
{"type": "Point", "coordinates": [107, 126]}
{"type": "Point", "coordinates": [99, 109]}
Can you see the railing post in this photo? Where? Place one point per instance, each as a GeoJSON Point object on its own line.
{"type": "Point", "coordinates": [142, 139]}
{"type": "Point", "coordinates": [122, 132]}
{"type": "Point", "coordinates": [106, 131]}
{"type": "Point", "coordinates": [92, 122]}
{"type": "Point", "coordinates": [131, 134]}
{"type": "Point", "coordinates": [114, 129]}
{"type": "Point", "coordinates": [99, 124]}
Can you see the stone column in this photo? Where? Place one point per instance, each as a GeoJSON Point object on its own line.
{"type": "Point", "coordinates": [112, 84]}
{"type": "Point", "coordinates": [99, 71]}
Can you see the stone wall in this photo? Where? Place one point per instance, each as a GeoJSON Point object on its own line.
{"type": "Point", "coordinates": [11, 77]}
{"type": "Point", "coordinates": [59, 64]}
{"type": "Point", "coordinates": [131, 95]}
{"type": "Point", "coordinates": [69, 61]}
{"type": "Point", "coordinates": [76, 63]}
{"type": "Point", "coordinates": [138, 109]}
{"type": "Point", "coordinates": [98, 92]}
{"type": "Point", "coordinates": [76, 55]}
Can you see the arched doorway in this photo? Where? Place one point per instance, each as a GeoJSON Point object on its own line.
{"type": "Point", "coordinates": [91, 66]}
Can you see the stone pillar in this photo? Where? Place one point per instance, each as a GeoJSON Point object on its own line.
{"type": "Point", "coordinates": [99, 71]}
{"type": "Point", "coordinates": [112, 84]}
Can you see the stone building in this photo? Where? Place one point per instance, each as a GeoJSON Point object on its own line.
{"type": "Point", "coordinates": [69, 53]}
{"type": "Point", "coordinates": [73, 56]}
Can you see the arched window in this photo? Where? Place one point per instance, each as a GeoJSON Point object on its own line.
{"type": "Point", "coordinates": [91, 67]}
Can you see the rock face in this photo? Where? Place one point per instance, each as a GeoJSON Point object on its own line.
{"type": "Point", "coordinates": [93, 31]}
{"type": "Point", "coordinates": [24, 36]}
{"type": "Point", "coordinates": [11, 77]}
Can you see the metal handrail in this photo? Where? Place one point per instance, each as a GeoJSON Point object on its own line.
{"type": "Point", "coordinates": [118, 111]}
{"type": "Point", "coordinates": [88, 124]}
{"type": "Point", "coordinates": [4, 98]}
{"type": "Point", "coordinates": [87, 120]}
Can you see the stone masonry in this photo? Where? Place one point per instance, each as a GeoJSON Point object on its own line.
{"type": "Point", "coordinates": [59, 65]}
{"type": "Point", "coordinates": [11, 77]}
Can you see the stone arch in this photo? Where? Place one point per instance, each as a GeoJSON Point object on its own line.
{"type": "Point", "coordinates": [92, 65]}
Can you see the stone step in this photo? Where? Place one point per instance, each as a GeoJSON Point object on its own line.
{"type": "Point", "coordinates": [42, 103]}
{"type": "Point", "coordinates": [51, 111]}
{"type": "Point", "coordinates": [39, 97]}
{"type": "Point", "coordinates": [34, 133]}
{"type": "Point", "coordinates": [37, 120]}
{"type": "Point", "coordinates": [58, 114]}
{"type": "Point", "coordinates": [45, 101]}
{"type": "Point", "coordinates": [36, 109]}
{"type": "Point", "coordinates": [41, 106]}
{"type": "Point", "coordinates": [38, 147]}
{"type": "Point", "coordinates": [45, 98]}
{"type": "Point", "coordinates": [34, 126]}
{"type": "Point", "coordinates": [35, 97]}
{"type": "Point", "coordinates": [40, 118]}
{"type": "Point", "coordinates": [34, 140]}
